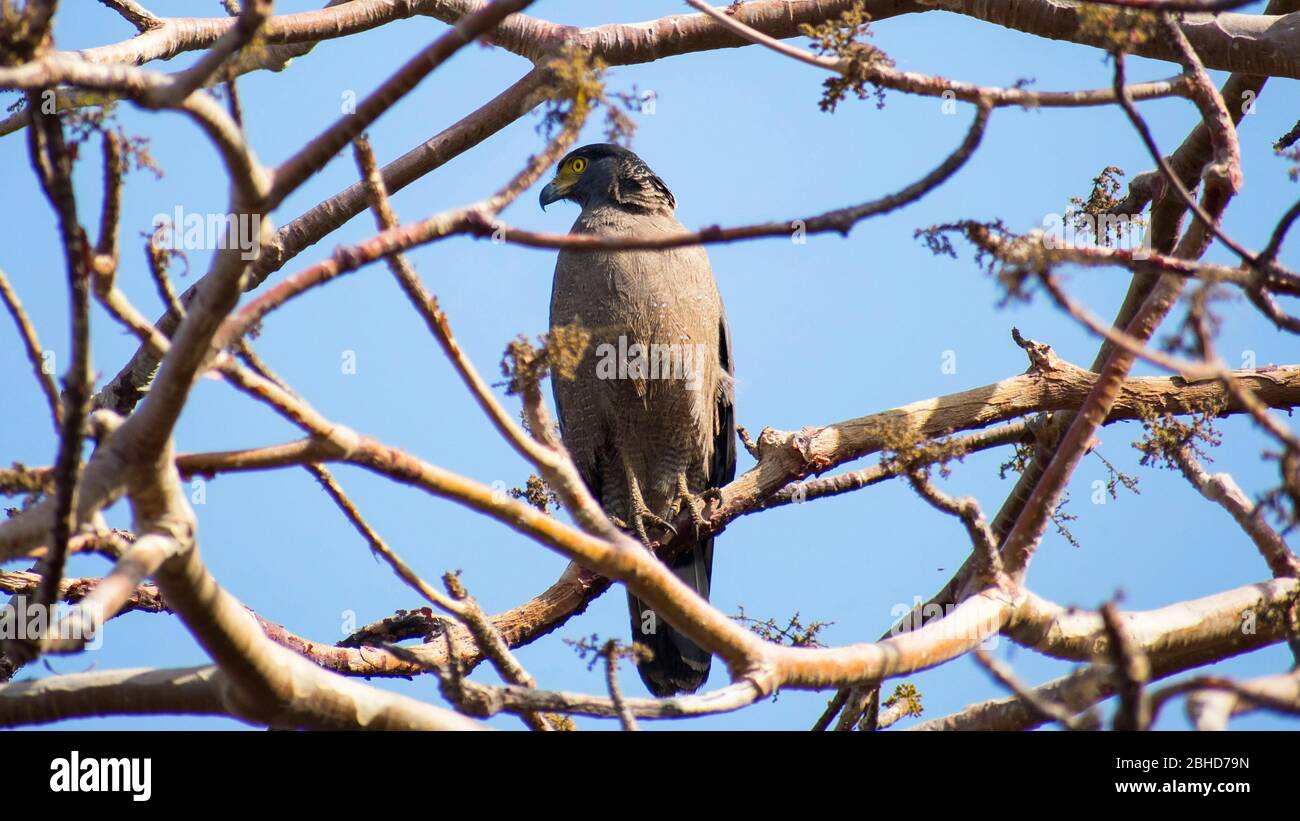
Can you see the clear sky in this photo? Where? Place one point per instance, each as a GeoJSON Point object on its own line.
{"type": "Point", "coordinates": [827, 330]}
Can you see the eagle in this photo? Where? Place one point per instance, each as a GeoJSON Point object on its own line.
{"type": "Point", "coordinates": [649, 415]}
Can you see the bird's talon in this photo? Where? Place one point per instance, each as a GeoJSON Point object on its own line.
{"type": "Point", "coordinates": [638, 526]}
{"type": "Point", "coordinates": [645, 515]}
{"type": "Point", "coordinates": [641, 513]}
{"type": "Point", "coordinates": [687, 499]}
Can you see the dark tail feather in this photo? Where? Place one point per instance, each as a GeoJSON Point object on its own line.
{"type": "Point", "coordinates": [679, 665]}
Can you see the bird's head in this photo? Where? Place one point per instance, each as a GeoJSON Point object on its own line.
{"type": "Point", "coordinates": [603, 174]}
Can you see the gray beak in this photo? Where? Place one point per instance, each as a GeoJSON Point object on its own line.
{"type": "Point", "coordinates": [549, 195]}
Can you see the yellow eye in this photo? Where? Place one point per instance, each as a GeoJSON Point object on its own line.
{"type": "Point", "coordinates": [577, 165]}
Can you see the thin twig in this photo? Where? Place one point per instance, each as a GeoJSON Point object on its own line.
{"type": "Point", "coordinates": [32, 345]}
{"type": "Point", "coordinates": [1003, 673]}
{"type": "Point", "coordinates": [1133, 669]}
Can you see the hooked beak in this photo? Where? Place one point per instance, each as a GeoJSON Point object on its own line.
{"type": "Point", "coordinates": [551, 193]}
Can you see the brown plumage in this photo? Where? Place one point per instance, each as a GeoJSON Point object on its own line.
{"type": "Point", "coordinates": [656, 425]}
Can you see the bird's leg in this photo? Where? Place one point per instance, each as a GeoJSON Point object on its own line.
{"type": "Point", "coordinates": [639, 512]}
{"type": "Point", "coordinates": [687, 499]}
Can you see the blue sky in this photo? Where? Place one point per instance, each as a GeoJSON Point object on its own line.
{"type": "Point", "coordinates": [824, 331]}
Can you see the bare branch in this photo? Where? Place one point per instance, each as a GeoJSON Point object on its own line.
{"type": "Point", "coordinates": [1047, 709]}
{"type": "Point", "coordinates": [840, 220]}
{"type": "Point", "coordinates": [295, 170]}
{"type": "Point", "coordinates": [1223, 491]}
{"type": "Point", "coordinates": [32, 345]}
{"type": "Point", "coordinates": [1132, 671]}
{"type": "Point", "coordinates": [932, 86]}
{"type": "Point", "coordinates": [53, 163]}
{"type": "Point", "coordinates": [1175, 638]}
{"type": "Point", "coordinates": [968, 510]}
{"type": "Point", "coordinates": [135, 14]}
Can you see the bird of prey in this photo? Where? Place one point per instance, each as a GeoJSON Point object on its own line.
{"type": "Point", "coordinates": [649, 416]}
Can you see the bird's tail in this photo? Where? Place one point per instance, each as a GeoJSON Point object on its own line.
{"type": "Point", "coordinates": [678, 664]}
